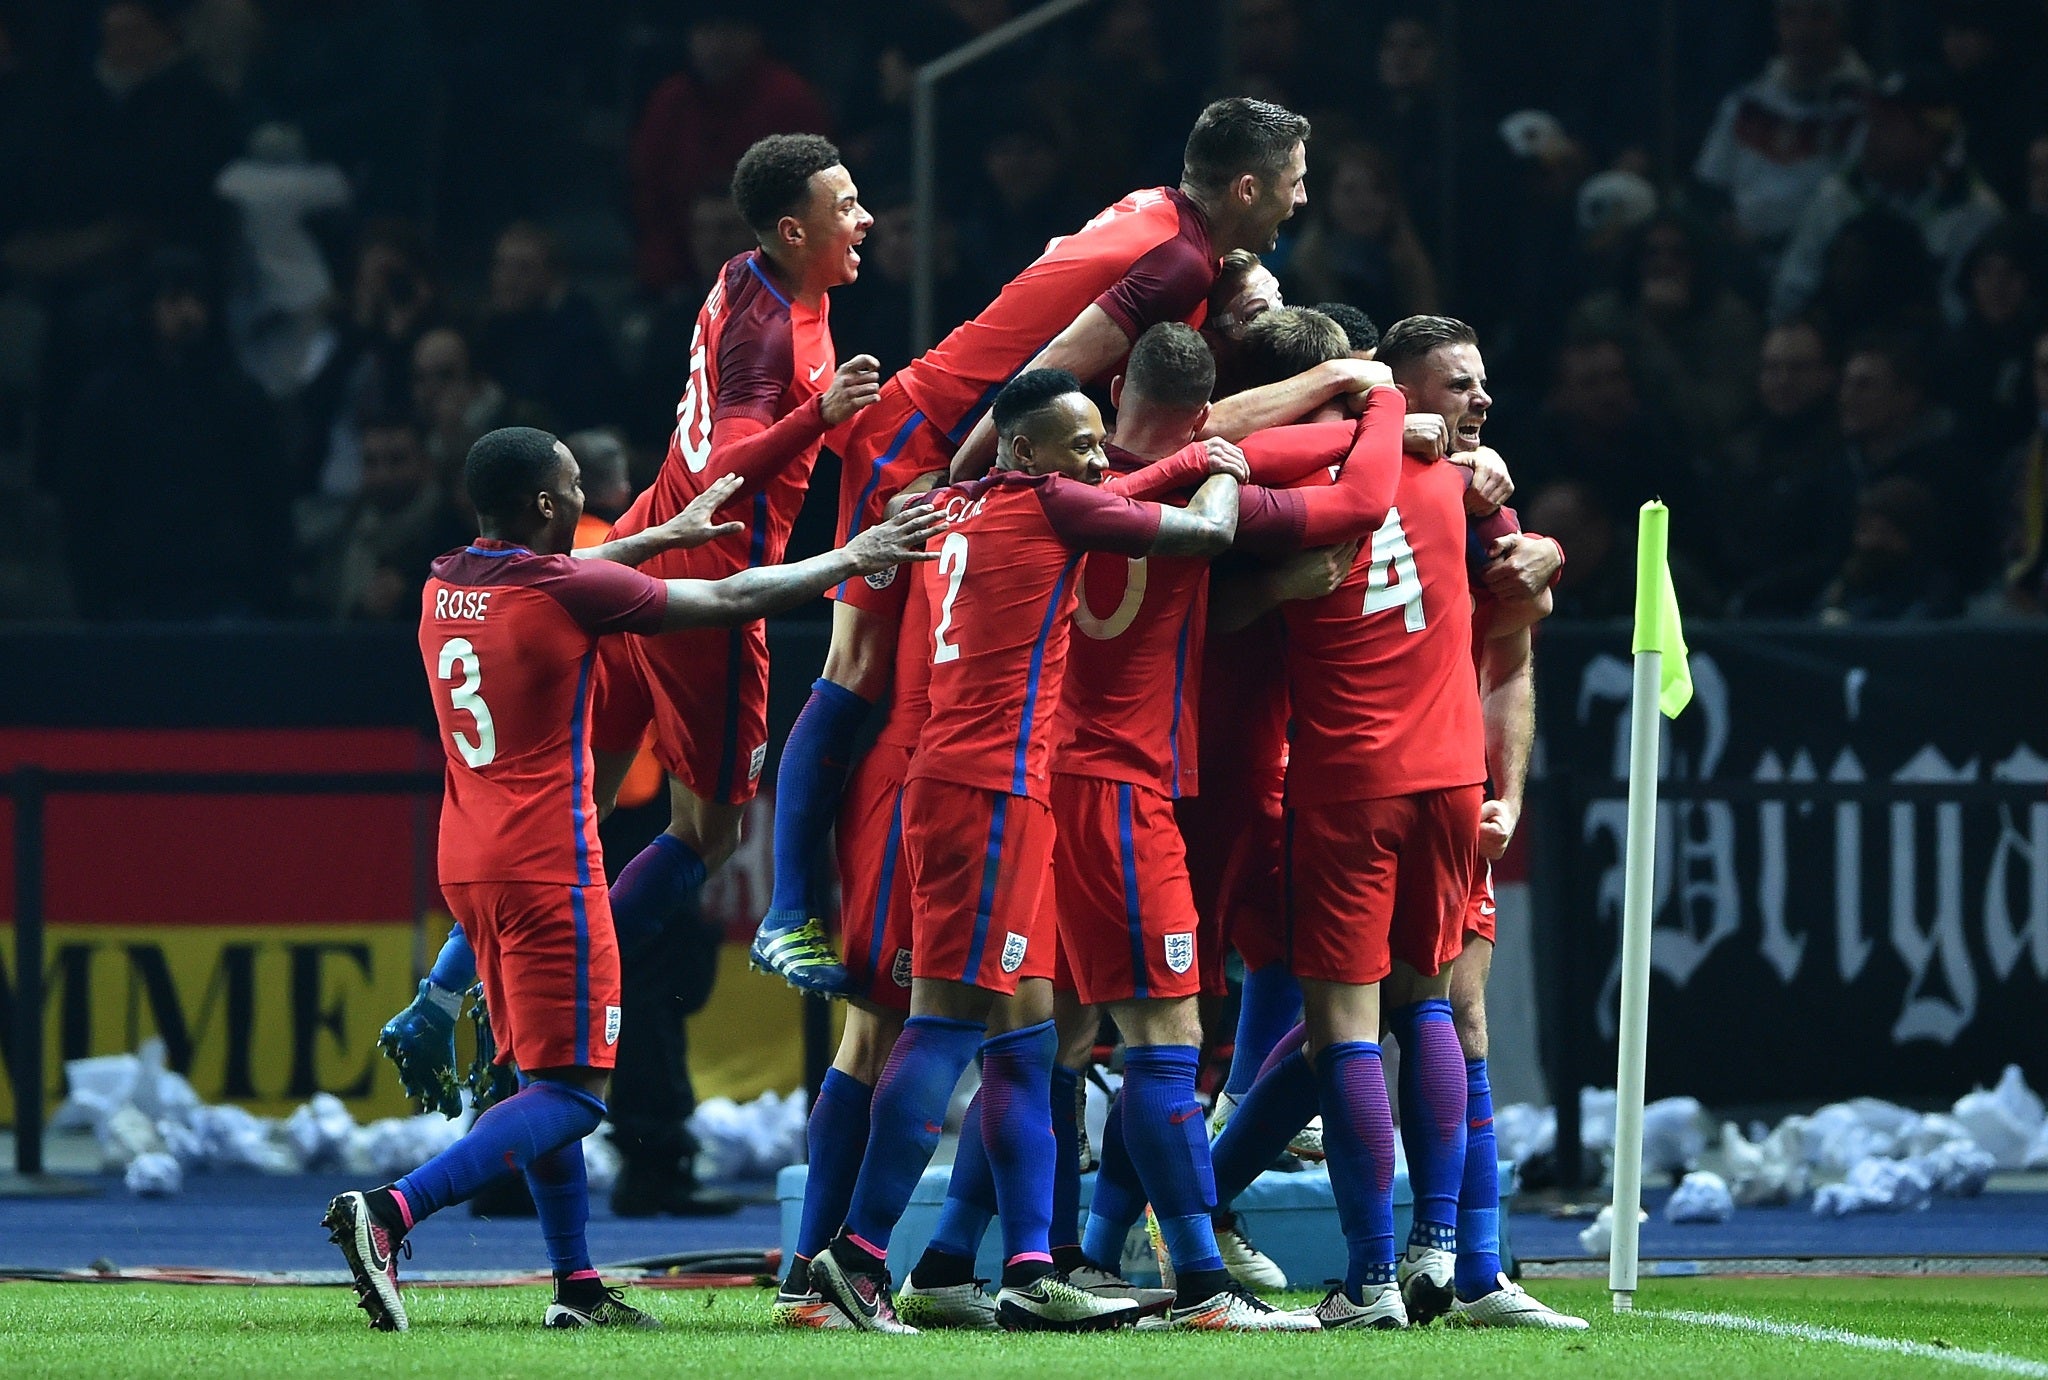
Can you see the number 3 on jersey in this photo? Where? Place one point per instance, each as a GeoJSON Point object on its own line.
{"type": "Point", "coordinates": [1392, 582]}
{"type": "Point", "coordinates": [953, 569]}
{"type": "Point", "coordinates": [459, 654]}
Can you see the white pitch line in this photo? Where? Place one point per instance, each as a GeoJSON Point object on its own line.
{"type": "Point", "coordinates": [1995, 1361]}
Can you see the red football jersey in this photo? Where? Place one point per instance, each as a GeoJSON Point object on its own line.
{"type": "Point", "coordinates": [910, 703]}
{"type": "Point", "coordinates": [1380, 671]}
{"type": "Point", "coordinates": [1000, 598]}
{"type": "Point", "coordinates": [1144, 260]}
{"type": "Point", "coordinates": [756, 359]}
{"type": "Point", "coordinates": [509, 640]}
{"type": "Point", "coordinates": [1133, 672]}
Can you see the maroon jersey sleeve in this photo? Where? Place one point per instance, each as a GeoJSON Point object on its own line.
{"type": "Point", "coordinates": [1167, 283]}
{"type": "Point", "coordinates": [1183, 469]}
{"type": "Point", "coordinates": [756, 357]}
{"type": "Point", "coordinates": [1087, 519]}
{"type": "Point", "coordinates": [1482, 533]}
{"type": "Point", "coordinates": [605, 598]}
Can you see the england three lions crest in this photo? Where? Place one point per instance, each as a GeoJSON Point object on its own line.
{"type": "Point", "coordinates": [1180, 952]}
{"type": "Point", "coordinates": [1013, 952]}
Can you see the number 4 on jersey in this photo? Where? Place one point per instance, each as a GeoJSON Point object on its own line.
{"type": "Point", "coordinates": [1392, 582]}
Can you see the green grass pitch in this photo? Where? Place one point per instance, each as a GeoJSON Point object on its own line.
{"type": "Point", "coordinates": [1954, 1327]}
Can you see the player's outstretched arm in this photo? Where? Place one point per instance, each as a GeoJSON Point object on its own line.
{"type": "Point", "coordinates": [1205, 527]}
{"type": "Point", "coordinates": [1241, 600]}
{"type": "Point", "coordinates": [755, 594]}
{"type": "Point", "coordinates": [1277, 404]}
{"type": "Point", "coordinates": [691, 527]}
{"type": "Point", "coordinates": [1088, 349]}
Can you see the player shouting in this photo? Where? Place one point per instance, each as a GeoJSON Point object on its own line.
{"type": "Point", "coordinates": [509, 631]}
{"type": "Point", "coordinates": [978, 838]}
{"type": "Point", "coordinates": [1151, 257]}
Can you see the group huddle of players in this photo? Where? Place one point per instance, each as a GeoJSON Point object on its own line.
{"type": "Point", "coordinates": [1284, 575]}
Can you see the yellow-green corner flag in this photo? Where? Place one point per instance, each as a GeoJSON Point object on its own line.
{"type": "Point", "coordinates": [1658, 628]}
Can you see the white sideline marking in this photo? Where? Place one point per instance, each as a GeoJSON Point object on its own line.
{"type": "Point", "coordinates": [1994, 1361]}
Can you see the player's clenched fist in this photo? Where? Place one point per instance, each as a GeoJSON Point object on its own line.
{"type": "Point", "coordinates": [900, 539]}
{"type": "Point", "coordinates": [1425, 435]}
{"type": "Point", "coordinates": [1496, 829]}
{"type": "Point", "coordinates": [1491, 483]}
{"type": "Point", "coordinates": [1225, 458]}
{"type": "Point", "coordinates": [857, 384]}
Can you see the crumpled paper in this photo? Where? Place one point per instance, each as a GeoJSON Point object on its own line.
{"type": "Point", "coordinates": [1598, 1239]}
{"type": "Point", "coordinates": [154, 1175]}
{"type": "Point", "coordinates": [1877, 1185]}
{"type": "Point", "coordinates": [750, 1140]}
{"type": "Point", "coordinates": [2006, 1121]}
{"type": "Point", "coordinates": [1701, 1196]}
{"type": "Point", "coordinates": [318, 1132]}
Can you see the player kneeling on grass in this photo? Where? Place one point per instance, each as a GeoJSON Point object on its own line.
{"type": "Point", "coordinates": [509, 628]}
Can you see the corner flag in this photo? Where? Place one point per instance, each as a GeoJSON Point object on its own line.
{"type": "Point", "coordinates": [1658, 628]}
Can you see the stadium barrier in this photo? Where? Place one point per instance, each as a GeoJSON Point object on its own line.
{"type": "Point", "coordinates": [1852, 864]}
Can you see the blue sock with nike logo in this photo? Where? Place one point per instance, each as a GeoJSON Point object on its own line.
{"type": "Point", "coordinates": [1016, 1131]}
{"type": "Point", "coordinates": [905, 1120]}
{"type": "Point", "coordinates": [808, 782]}
{"type": "Point", "coordinates": [1169, 1144]}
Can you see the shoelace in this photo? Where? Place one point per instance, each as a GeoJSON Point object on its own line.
{"type": "Point", "coordinates": [1249, 1299]}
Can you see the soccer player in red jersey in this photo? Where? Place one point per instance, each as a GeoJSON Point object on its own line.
{"type": "Point", "coordinates": [509, 631]}
{"type": "Point", "coordinates": [1151, 257]}
{"type": "Point", "coordinates": [764, 387]}
{"type": "Point", "coordinates": [977, 831]}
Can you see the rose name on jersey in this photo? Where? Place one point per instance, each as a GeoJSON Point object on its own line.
{"type": "Point", "coordinates": [469, 605]}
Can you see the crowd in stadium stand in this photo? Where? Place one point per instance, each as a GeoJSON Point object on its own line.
{"type": "Point", "coordinates": [272, 265]}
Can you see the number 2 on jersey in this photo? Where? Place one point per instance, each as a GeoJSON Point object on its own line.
{"type": "Point", "coordinates": [1391, 582]}
{"type": "Point", "coordinates": [953, 567]}
{"type": "Point", "coordinates": [458, 653]}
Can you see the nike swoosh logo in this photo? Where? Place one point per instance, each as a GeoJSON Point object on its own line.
{"type": "Point", "coordinates": [817, 371]}
{"type": "Point", "coordinates": [933, 1128]}
{"type": "Point", "coordinates": [1485, 908]}
{"type": "Point", "coordinates": [1183, 1117]}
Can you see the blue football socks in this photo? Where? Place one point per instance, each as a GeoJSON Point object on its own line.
{"type": "Point", "coordinates": [1064, 1233]}
{"type": "Point", "coordinates": [1169, 1144]}
{"type": "Point", "coordinates": [836, 1134]}
{"type": "Point", "coordinates": [1016, 1130]}
{"type": "Point", "coordinates": [808, 782]}
{"type": "Point", "coordinates": [1432, 1117]}
{"type": "Point", "coordinates": [907, 1117]}
{"type": "Point", "coordinates": [1479, 1267]}
{"type": "Point", "coordinates": [1268, 1006]}
{"type": "Point", "coordinates": [1278, 1105]}
{"type": "Point", "coordinates": [1119, 1199]}
{"type": "Point", "coordinates": [652, 890]}
{"type": "Point", "coordinates": [541, 1117]}
{"type": "Point", "coordinates": [561, 1197]}
{"type": "Point", "coordinates": [1358, 1137]}
{"type": "Point", "coordinates": [970, 1203]}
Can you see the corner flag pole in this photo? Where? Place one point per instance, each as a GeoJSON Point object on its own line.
{"type": "Point", "coordinates": [1665, 689]}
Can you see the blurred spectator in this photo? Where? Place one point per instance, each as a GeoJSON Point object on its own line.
{"type": "Point", "coordinates": [1895, 429]}
{"type": "Point", "coordinates": [277, 308]}
{"type": "Point", "coordinates": [1602, 548]}
{"type": "Point", "coordinates": [174, 422]}
{"type": "Point", "coordinates": [1775, 140]}
{"type": "Point", "coordinates": [697, 124]}
{"type": "Point", "coordinates": [1279, 54]}
{"type": "Point", "coordinates": [1402, 110]}
{"type": "Point", "coordinates": [394, 297]}
{"type": "Point", "coordinates": [1360, 244]}
{"type": "Point", "coordinates": [366, 558]}
{"type": "Point", "coordinates": [1531, 272]}
{"type": "Point", "coordinates": [1912, 163]}
{"type": "Point", "coordinates": [1986, 363]}
{"type": "Point", "coordinates": [2025, 483]}
{"type": "Point", "coordinates": [1785, 496]}
{"type": "Point", "coordinates": [1894, 571]}
{"type": "Point", "coordinates": [543, 340]}
{"type": "Point", "coordinates": [1876, 276]}
{"type": "Point", "coordinates": [1693, 340]}
{"type": "Point", "coordinates": [1025, 198]}
{"type": "Point", "coordinates": [454, 403]}
{"type": "Point", "coordinates": [1985, 45]}
{"type": "Point", "coordinates": [2037, 181]}
{"type": "Point", "coordinates": [873, 316]}
{"type": "Point", "coordinates": [607, 480]}
{"type": "Point", "coordinates": [661, 364]}
{"type": "Point", "coordinates": [354, 77]}
{"type": "Point", "coordinates": [1135, 77]}
{"type": "Point", "coordinates": [129, 158]}
{"type": "Point", "coordinates": [223, 37]}
{"type": "Point", "coordinates": [1596, 429]}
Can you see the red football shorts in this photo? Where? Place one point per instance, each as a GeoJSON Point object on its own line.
{"type": "Point", "coordinates": [1370, 881]}
{"type": "Point", "coordinates": [706, 693]}
{"type": "Point", "coordinates": [874, 885]}
{"type": "Point", "coordinates": [979, 861]}
{"type": "Point", "coordinates": [1479, 906]}
{"type": "Point", "coordinates": [550, 968]}
{"type": "Point", "coordinates": [881, 449]}
{"type": "Point", "coordinates": [1120, 887]}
